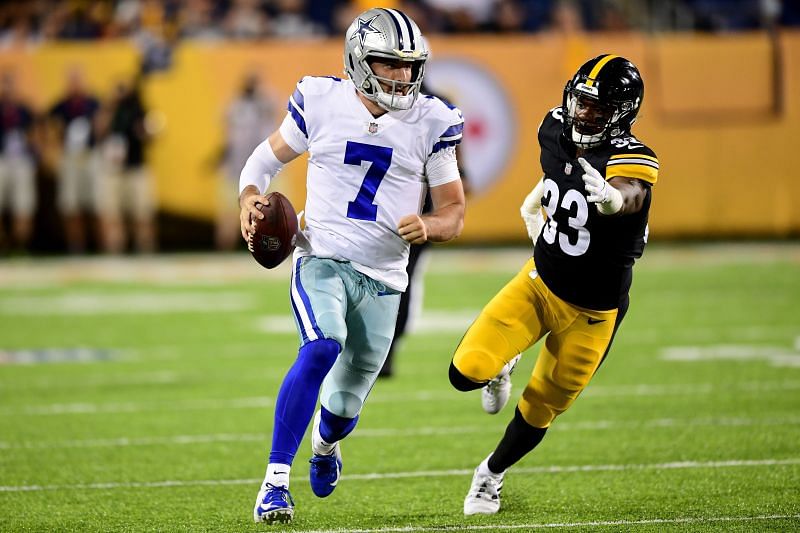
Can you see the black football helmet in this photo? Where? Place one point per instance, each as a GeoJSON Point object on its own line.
{"type": "Point", "coordinates": [613, 86]}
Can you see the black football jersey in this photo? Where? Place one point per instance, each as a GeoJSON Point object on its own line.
{"type": "Point", "coordinates": [586, 258]}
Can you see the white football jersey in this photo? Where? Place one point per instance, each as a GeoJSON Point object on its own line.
{"type": "Point", "coordinates": [364, 173]}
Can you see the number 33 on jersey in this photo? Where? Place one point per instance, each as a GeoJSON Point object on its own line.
{"type": "Point", "coordinates": [578, 244]}
{"type": "Point", "coordinates": [365, 173]}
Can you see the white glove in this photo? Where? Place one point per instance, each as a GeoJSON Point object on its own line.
{"type": "Point", "coordinates": [607, 198]}
{"type": "Point", "coordinates": [531, 211]}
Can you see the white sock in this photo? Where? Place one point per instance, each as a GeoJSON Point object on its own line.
{"type": "Point", "coordinates": [277, 475]}
{"type": "Point", "coordinates": [320, 446]}
{"type": "Point", "coordinates": [483, 468]}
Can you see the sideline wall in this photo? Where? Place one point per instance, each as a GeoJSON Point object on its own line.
{"type": "Point", "coordinates": [720, 112]}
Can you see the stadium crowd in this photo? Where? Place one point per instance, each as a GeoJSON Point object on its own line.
{"type": "Point", "coordinates": [85, 146]}
{"type": "Point", "coordinates": [35, 21]}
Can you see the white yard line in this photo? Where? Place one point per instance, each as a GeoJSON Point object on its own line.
{"type": "Point", "coordinates": [677, 465]}
{"type": "Point", "coordinates": [425, 431]}
{"type": "Point", "coordinates": [430, 321]}
{"type": "Point", "coordinates": [85, 408]}
{"type": "Point", "coordinates": [216, 268]}
{"type": "Point", "coordinates": [257, 402]}
{"type": "Point", "coordinates": [553, 525]}
{"type": "Point", "coordinates": [160, 377]}
{"type": "Point", "coordinates": [89, 303]}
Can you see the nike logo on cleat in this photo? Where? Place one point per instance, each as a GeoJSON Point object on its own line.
{"type": "Point", "coordinates": [595, 320]}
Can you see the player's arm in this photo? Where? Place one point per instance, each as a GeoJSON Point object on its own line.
{"type": "Point", "coordinates": [442, 224]}
{"type": "Point", "coordinates": [531, 211]}
{"type": "Point", "coordinates": [265, 161]}
{"type": "Point", "coordinates": [633, 191]}
{"type": "Point", "coordinates": [618, 196]}
{"type": "Point", "coordinates": [446, 220]}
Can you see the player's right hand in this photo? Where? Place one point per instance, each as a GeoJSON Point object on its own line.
{"type": "Point", "coordinates": [412, 229]}
{"type": "Point", "coordinates": [598, 191]}
{"type": "Point", "coordinates": [249, 212]}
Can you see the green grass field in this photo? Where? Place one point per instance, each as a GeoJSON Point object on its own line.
{"type": "Point", "coordinates": [136, 395]}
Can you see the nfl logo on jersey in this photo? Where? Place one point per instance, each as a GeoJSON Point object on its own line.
{"type": "Point", "coordinates": [372, 128]}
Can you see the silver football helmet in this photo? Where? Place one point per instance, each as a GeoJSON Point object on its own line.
{"type": "Point", "coordinates": [388, 34]}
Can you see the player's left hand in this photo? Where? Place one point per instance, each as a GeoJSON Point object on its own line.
{"type": "Point", "coordinates": [607, 198]}
{"type": "Point", "coordinates": [412, 229]}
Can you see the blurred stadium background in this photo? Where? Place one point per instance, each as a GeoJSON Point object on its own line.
{"type": "Point", "coordinates": [136, 388]}
{"type": "Point", "coordinates": [719, 104]}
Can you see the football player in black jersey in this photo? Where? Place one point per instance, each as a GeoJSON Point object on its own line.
{"type": "Point", "coordinates": [595, 193]}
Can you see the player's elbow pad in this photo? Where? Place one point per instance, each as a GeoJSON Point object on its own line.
{"type": "Point", "coordinates": [259, 168]}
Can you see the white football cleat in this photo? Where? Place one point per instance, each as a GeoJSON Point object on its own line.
{"type": "Point", "coordinates": [496, 393]}
{"type": "Point", "coordinates": [484, 494]}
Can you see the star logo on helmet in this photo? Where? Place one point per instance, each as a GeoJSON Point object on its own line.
{"type": "Point", "coordinates": [365, 27]}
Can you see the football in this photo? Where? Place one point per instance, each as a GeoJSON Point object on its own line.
{"type": "Point", "coordinates": [275, 234]}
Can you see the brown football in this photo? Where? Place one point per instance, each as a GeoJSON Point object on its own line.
{"type": "Point", "coordinates": [273, 240]}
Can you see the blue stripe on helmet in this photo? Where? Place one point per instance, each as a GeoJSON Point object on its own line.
{"type": "Point", "coordinates": [409, 26]}
{"type": "Point", "coordinates": [397, 27]}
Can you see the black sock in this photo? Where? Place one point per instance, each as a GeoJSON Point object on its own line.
{"type": "Point", "coordinates": [519, 439]}
{"type": "Point", "coordinates": [461, 382]}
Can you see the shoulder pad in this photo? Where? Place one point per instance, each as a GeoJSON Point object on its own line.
{"type": "Point", "coordinates": [317, 84]}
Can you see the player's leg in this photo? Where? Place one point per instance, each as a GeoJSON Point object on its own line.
{"type": "Point", "coordinates": [105, 177]}
{"type": "Point", "coordinates": [69, 203]}
{"type": "Point", "coordinates": [510, 323]}
{"type": "Point", "coordinates": [318, 302]}
{"type": "Point", "coordinates": [24, 200]}
{"type": "Point", "coordinates": [569, 358]}
{"type": "Point", "coordinates": [410, 301]}
{"type": "Point", "coordinates": [142, 208]}
{"type": "Point", "coordinates": [371, 318]}
{"type": "Point", "coordinates": [5, 190]}
{"type": "Point", "coordinates": [572, 352]}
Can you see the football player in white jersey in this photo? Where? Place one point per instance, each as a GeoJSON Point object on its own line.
{"type": "Point", "coordinates": [375, 146]}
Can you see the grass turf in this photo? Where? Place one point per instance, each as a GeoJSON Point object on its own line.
{"type": "Point", "coordinates": [692, 423]}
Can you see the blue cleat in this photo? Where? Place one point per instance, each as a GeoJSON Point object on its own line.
{"type": "Point", "coordinates": [325, 468]}
{"type": "Point", "coordinates": [274, 505]}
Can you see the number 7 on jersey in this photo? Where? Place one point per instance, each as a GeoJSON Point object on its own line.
{"type": "Point", "coordinates": [362, 207]}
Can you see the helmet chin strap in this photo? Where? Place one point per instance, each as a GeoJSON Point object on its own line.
{"type": "Point", "coordinates": [586, 141]}
{"type": "Point", "coordinates": [394, 102]}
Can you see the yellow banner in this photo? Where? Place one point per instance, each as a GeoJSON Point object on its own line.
{"type": "Point", "coordinates": [724, 130]}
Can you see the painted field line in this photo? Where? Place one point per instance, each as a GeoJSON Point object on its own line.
{"type": "Point", "coordinates": [429, 431]}
{"type": "Point", "coordinates": [677, 465]}
{"type": "Point", "coordinates": [182, 269]}
{"type": "Point", "coordinates": [141, 302]}
{"type": "Point", "coordinates": [554, 525]}
{"type": "Point", "coordinates": [161, 377]}
{"type": "Point", "coordinates": [431, 321]}
{"type": "Point", "coordinates": [258, 402]}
